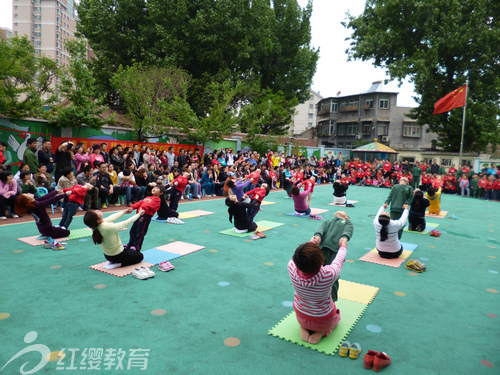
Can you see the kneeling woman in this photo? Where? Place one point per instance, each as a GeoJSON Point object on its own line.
{"type": "Point", "coordinates": [339, 193]}
{"type": "Point", "coordinates": [27, 203]}
{"type": "Point", "coordinates": [387, 243]}
{"type": "Point", "coordinates": [312, 283]}
{"type": "Point", "coordinates": [105, 233]}
{"type": "Point", "coordinates": [299, 200]}
{"type": "Point", "coordinates": [239, 209]}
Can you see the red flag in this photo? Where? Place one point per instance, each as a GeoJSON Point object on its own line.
{"type": "Point", "coordinates": [454, 99]}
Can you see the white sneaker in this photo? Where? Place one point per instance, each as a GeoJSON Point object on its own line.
{"type": "Point", "coordinates": [15, 216]}
{"type": "Point", "coordinates": [63, 228]}
{"type": "Point", "coordinates": [213, 195]}
{"type": "Point", "coordinates": [198, 197]}
{"type": "Point", "coordinates": [3, 217]}
{"type": "Point", "coordinates": [148, 271]}
{"type": "Point", "coordinates": [176, 220]}
{"type": "Point", "coordinates": [138, 273]}
{"type": "Point", "coordinates": [240, 230]}
{"type": "Point", "coordinates": [182, 196]}
{"type": "Point", "coordinates": [169, 219]}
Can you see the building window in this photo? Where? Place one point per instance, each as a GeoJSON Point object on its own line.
{"type": "Point", "coordinates": [38, 35]}
{"type": "Point", "coordinates": [446, 162]}
{"type": "Point", "coordinates": [38, 18]}
{"type": "Point", "coordinates": [352, 129]}
{"type": "Point", "coordinates": [15, 6]}
{"type": "Point", "coordinates": [344, 103]}
{"type": "Point", "coordinates": [411, 131]}
{"type": "Point", "coordinates": [310, 116]}
{"type": "Point", "coordinates": [38, 43]}
{"type": "Point", "coordinates": [311, 106]}
{"type": "Point", "coordinates": [310, 124]}
{"type": "Point", "coordinates": [335, 107]}
{"type": "Point", "coordinates": [38, 26]}
{"type": "Point", "coordinates": [312, 97]}
{"type": "Point", "coordinates": [367, 129]}
{"type": "Point", "coordinates": [38, 9]}
{"type": "Point", "coordinates": [341, 130]}
{"type": "Point", "coordinates": [383, 103]}
{"type": "Point", "coordinates": [368, 103]}
{"type": "Point", "coordinates": [353, 103]}
{"type": "Point", "coordinates": [15, 15]}
{"type": "Point", "coordinates": [332, 127]}
{"type": "Point", "coordinates": [37, 51]}
{"type": "Point", "coordinates": [382, 129]}
{"type": "Point", "coordinates": [15, 24]}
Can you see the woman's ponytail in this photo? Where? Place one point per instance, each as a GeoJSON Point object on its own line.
{"type": "Point", "coordinates": [91, 220]}
{"type": "Point", "coordinates": [384, 221]}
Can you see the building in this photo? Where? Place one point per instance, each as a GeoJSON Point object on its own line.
{"type": "Point", "coordinates": [47, 23]}
{"type": "Point", "coordinates": [5, 33]}
{"type": "Point", "coordinates": [349, 121]}
{"type": "Point", "coordinates": [305, 114]}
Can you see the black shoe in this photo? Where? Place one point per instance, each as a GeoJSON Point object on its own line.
{"type": "Point", "coordinates": [93, 207]}
{"type": "Point", "coordinates": [85, 208]}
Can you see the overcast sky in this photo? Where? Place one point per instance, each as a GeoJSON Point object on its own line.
{"type": "Point", "coordinates": [333, 72]}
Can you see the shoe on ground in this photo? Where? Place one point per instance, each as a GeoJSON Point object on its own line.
{"type": "Point", "coordinates": [368, 358]}
{"type": "Point", "coordinates": [48, 243]}
{"type": "Point", "coordinates": [182, 196]}
{"type": "Point", "coordinates": [344, 349]}
{"type": "Point", "coordinates": [148, 271]}
{"type": "Point", "coordinates": [104, 206]}
{"type": "Point", "coordinates": [15, 216]}
{"type": "Point", "coordinates": [116, 204]}
{"type": "Point", "coordinates": [139, 273]}
{"type": "Point", "coordinates": [253, 237]}
{"type": "Point", "coordinates": [3, 217]}
{"type": "Point", "coordinates": [58, 246]}
{"type": "Point", "coordinates": [381, 361]}
{"type": "Point", "coordinates": [93, 207]}
{"type": "Point", "coordinates": [260, 234]}
{"type": "Point", "coordinates": [176, 220]}
{"type": "Point", "coordinates": [355, 350]}
{"type": "Point", "coordinates": [80, 209]}
{"type": "Point", "coordinates": [411, 265]}
{"type": "Point", "coordinates": [213, 195]}
{"type": "Point", "coordinates": [86, 208]}
{"type": "Point", "coordinates": [419, 264]}
{"type": "Point", "coordinates": [198, 197]}
{"type": "Point", "coordinates": [165, 266]}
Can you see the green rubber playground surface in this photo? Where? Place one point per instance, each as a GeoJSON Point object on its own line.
{"type": "Point", "coordinates": [212, 314]}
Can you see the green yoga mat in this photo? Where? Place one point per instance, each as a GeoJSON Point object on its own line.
{"type": "Point", "coordinates": [231, 232]}
{"type": "Point", "coordinates": [79, 233]}
{"type": "Point", "coordinates": [350, 312]}
{"type": "Point", "coordinates": [428, 228]}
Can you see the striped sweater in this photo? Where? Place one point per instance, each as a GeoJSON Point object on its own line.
{"type": "Point", "coordinates": [312, 292]}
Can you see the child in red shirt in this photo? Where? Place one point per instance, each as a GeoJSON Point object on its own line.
{"type": "Point", "coordinates": [140, 227]}
{"type": "Point", "coordinates": [387, 183]}
{"type": "Point", "coordinates": [259, 194]}
{"type": "Point", "coordinates": [178, 184]}
{"type": "Point", "coordinates": [496, 189]}
{"type": "Point", "coordinates": [482, 187]}
{"type": "Point", "coordinates": [75, 199]}
{"type": "Point", "coordinates": [309, 182]}
{"type": "Point", "coordinates": [489, 188]}
{"type": "Point", "coordinates": [273, 177]}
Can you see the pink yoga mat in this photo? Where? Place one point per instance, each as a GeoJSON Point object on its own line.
{"type": "Point", "coordinates": [181, 248]}
{"type": "Point", "coordinates": [373, 257]}
{"type": "Point", "coordinates": [317, 211]}
{"type": "Point", "coordinates": [121, 271]}
{"type": "Point", "coordinates": [441, 215]}
{"type": "Point", "coordinates": [34, 242]}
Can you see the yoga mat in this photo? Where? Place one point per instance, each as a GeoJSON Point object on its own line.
{"type": "Point", "coordinates": [350, 312]}
{"type": "Point", "coordinates": [34, 242]}
{"type": "Point", "coordinates": [294, 214]}
{"type": "Point", "coordinates": [121, 271]}
{"type": "Point", "coordinates": [156, 256]}
{"type": "Point", "coordinates": [199, 212]}
{"type": "Point", "coordinates": [373, 257]}
{"type": "Point", "coordinates": [266, 203]}
{"type": "Point", "coordinates": [317, 211]}
{"type": "Point", "coordinates": [160, 221]}
{"type": "Point", "coordinates": [409, 246]}
{"type": "Point", "coordinates": [186, 215]}
{"type": "Point", "coordinates": [441, 215]}
{"type": "Point", "coordinates": [270, 224]}
{"type": "Point", "coordinates": [79, 233]}
{"type": "Point", "coordinates": [342, 205]}
{"type": "Point", "coordinates": [231, 232]}
{"type": "Point", "coordinates": [357, 292]}
{"type": "Point", "coordinates": [428, 228]}
{"type": "Point", "coordinates": [181, 248]}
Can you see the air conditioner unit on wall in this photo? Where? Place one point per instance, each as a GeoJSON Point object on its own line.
{"type": "Point", "coordinates": [358, 136]}
{"type": "Point", "coordinates": [385, 138]}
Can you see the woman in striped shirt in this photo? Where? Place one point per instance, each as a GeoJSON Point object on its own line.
{"type": "Point", "coordinates": [387, 243]}
{"type": "Point", "coordinates": [312, 283]}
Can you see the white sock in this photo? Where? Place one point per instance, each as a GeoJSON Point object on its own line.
{"type": "Point", "coordinates": [111, 266]}
{"type": "Point", "coordinates": [240, 230]}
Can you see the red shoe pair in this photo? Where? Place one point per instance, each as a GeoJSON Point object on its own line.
{"type": "Point", "coordinates": [376, 360]}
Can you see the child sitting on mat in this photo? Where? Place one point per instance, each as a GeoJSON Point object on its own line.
{"type": "Point", "coordinates": [105, 233]}
{"type": "Point", "coordinates": [329, 238]}
{"type": "Point", "coordinates": [434, 198]}
{"type": "Point", "coordinates": [312, 282]}
{"type": "Point", "coordinates": [140, 227]}
{"type": "Point", "coordinates": [416, 217]}
{"type": "Point", "coordinates": [387, 242]}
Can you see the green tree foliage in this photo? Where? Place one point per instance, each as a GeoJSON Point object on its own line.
{"type": "Point", "coordinates": [438, 45]}
{"type": "Point", "coordinates": [226, 43]}
{"type": "Point", "coordinates": [26, 80]}
{"type": "Point", "coordinates": [83, 103]}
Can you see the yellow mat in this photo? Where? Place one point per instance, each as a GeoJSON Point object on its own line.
{"type": "Point", "coordinates": [266, 203]}
{"type": "Point", "coordinates": [185, 215]}
{"type": "Point", "coordinates": [357, 292]}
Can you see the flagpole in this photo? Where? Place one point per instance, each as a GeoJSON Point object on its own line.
{"type": "Point", "coordinates": [463, 122]}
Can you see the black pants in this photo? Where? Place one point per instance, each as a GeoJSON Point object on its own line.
{"type": "Point", "coordinates": [126, 257]}
{"type": "Point", "coordinates": [386, 255]}
{"type": "Point", "coordinates": [329, 255]}
{"type": "Point", "coordinates": [250, 226]}
{"type": "Point", "coordinates": [396, 215]}
{"type": "Point", "coordinates": [138, 231]}
{"type": "Point", "coordinates": [253, 211]}
{"type": "Point", "coordinates": [113, 198]}
{"type": "Point", "coordinates": [4, 202]}
{"type": "Point", "coordinates": [175, 196]}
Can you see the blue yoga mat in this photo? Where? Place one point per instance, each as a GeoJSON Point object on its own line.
{"type": "Point", "coordinates": [409, 246]}
{"type": "Point", "coordinates": [156, 256]}
{"type": "Point", "coordinates": [160, 221]}
{"type": "Point", "coordinates": [294, 214]}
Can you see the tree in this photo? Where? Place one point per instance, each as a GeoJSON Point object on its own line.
{"type": "Point", "coordinates": [438, 45]}
{"type": "Point", "coordinates": [84, 103]}
{"type": "Point", "coordinates": [216, 42]}
{"type": "Point", "coordinates": [26, 79]}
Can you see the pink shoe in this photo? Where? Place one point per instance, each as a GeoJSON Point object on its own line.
{"type": "Point", "coordinates": [166, 266]}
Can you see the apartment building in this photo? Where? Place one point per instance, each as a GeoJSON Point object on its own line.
{"type": "Point", "coordinates": [343, 120]}
{"type": "Point", "coordinates": [5, 33]}
{"type": "Point", "coordinates": [48, 23]}
{"type": "Point", "coordinates": [305, 114]}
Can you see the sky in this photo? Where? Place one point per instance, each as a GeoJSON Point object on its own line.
{"type": "Point", "coordinates": [334, 73]}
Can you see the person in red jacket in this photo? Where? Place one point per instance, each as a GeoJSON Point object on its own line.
{"type": "Point", "coordinates": [75, 200]}
{"type": "Point", "coordinates": [140, 227]}
{"type": "Point", "coordinates": [482, 187]}
{"type": "Point", "coordinates": [178, 184]}
{"type": "Point", "coordinates": [496, 189]}
{"type": "Point", "coordinates": [259, 194]}
{"type": "Point", "coordinates": [489, 188]}
{"type": "Point", "coordinates": [387, 168]}
{"type": "Point", "coordinates": [309, 183]}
